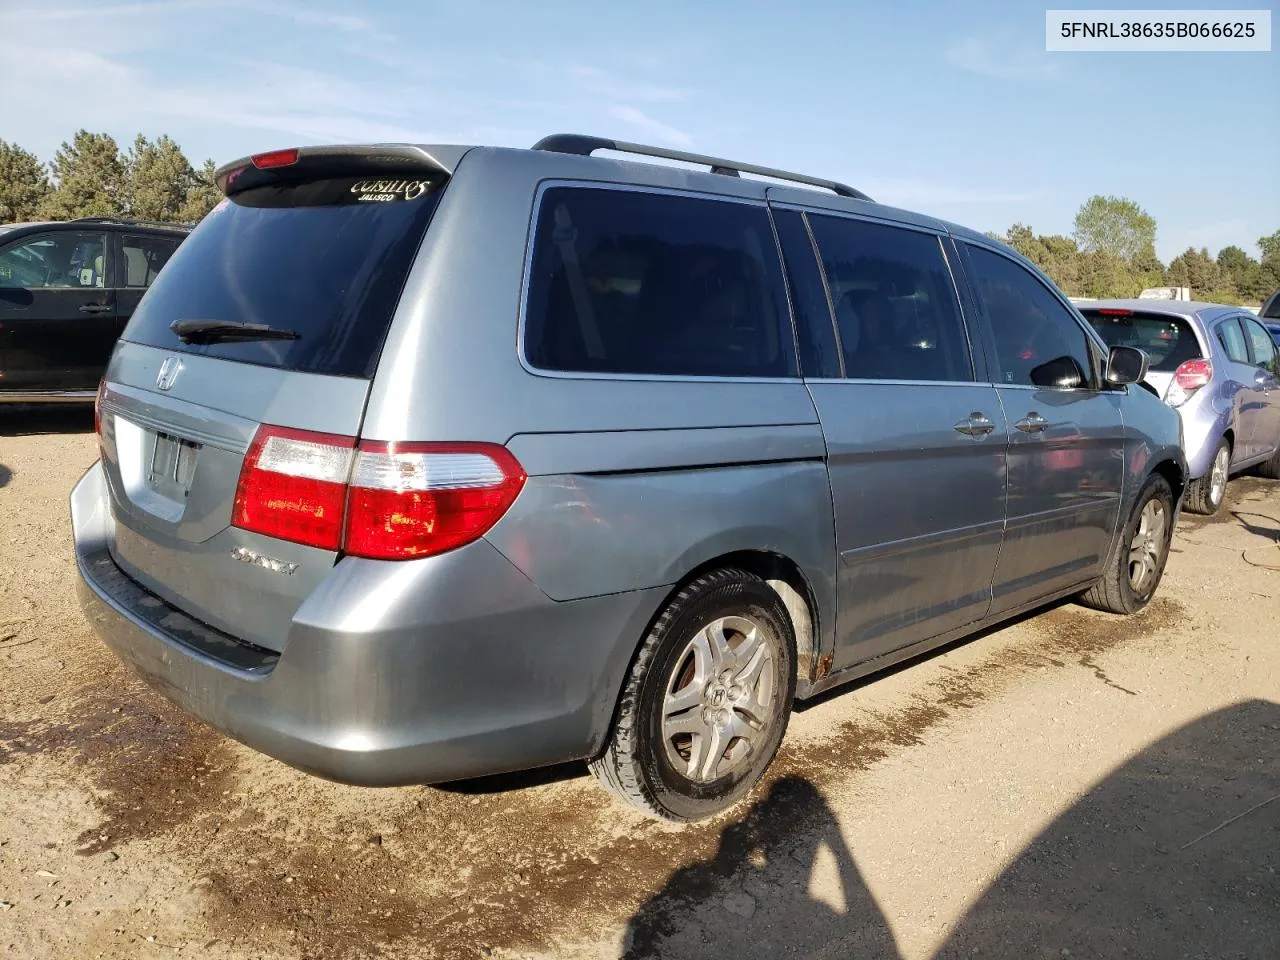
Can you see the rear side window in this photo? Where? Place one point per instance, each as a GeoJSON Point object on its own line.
{"type": "Point", "coordinates": [1167, 341]}
{"type": "Point", "coordinates": [144, 256]}
{"type": "Point", "coordinates": [639, 283]}
{"type": "Point", "coordinates": [895, 305]}
{"type": "Point", "coordinates": [1232, 340]}
{"type": "Point", "coordinates": [326, 259]}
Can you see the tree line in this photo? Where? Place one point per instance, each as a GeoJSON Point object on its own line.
{"type": "Point", "coordinates": [90, 176]}
{"type": "Point", "coordinates": [1112, 253]}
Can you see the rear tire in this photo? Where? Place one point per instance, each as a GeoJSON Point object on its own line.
{"type": "Point", "coordinates": [1141, 555]}
{"type": "Point", "coordinates": [1271, 468]}
{"type": "Point", "coordinates": [1206, 495]}
{"type": "Point", "coordinates": [706, 702]}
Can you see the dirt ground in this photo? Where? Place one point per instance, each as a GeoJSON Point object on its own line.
{"type": "Point", "coordinates": [1074, 785]}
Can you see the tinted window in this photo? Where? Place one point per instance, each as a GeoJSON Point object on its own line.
{"type": "Point", "coordinates": [326, 259]}
{"type": "Point", "coordinates": [1037, 340]}
{"type": "Point", "coordinates": [142, 258]}
{"type": "Point", "coordinates": [630, 282]}
{"type": "Point", "coordinates": [1167, 341]}
{"type": "Point", "coordinates": [895, 306]}
{"type": "Point", "coordinates": [819, 352]}
{"type": "Point", "coordinates": [1271, 309]}
{"type": "Point", "coordinates": [1232, 341]}
{"type": "Point", "coordinates": [1261, 347]}
{"type": "Point", "coordinates": [66, 259]}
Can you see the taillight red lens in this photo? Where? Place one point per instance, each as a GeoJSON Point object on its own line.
{"type": "Point", "coordinates": [419, 499]}
{"type": "Point", "coordinates": [1193, 374]}
{"type": "Point", "coordinates": [275, 158]}
{"type": "Point", "coordinates": [293, 486]}
{"type": "Point", "coordinates": [385, 501]}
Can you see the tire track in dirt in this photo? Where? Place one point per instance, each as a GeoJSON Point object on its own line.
{"type": "Point", "coordinates": [551, 862]}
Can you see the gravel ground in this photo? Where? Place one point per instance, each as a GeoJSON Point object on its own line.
{"type": "Point", "coordinates": [1074, 785]}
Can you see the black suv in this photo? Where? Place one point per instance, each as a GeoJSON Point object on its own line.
{"type": "Point", "coordinates": [67, 289]}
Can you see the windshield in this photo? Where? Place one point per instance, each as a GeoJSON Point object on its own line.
{"type": "Point", "coordinates": [1168, 341]}
{"type": "Point", "coordinates": [326, 259]}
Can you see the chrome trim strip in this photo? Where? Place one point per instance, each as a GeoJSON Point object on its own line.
{"type": "Point", "coordinates": [49, 396]}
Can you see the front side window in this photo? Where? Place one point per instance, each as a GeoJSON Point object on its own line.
{"type": "Point", "coordinates": [1261, 347]}
{"type": "Point", "coordinates": [629, 282]}
{"type": "Point", "coordinates": [1037, 340]}
{"type": "Point", "coordinates": [895, 305]}
{"type": "Point", "coordinates": [49, 261]}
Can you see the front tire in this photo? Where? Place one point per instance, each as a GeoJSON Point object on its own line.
{"type": "Point", "coordinates": [1138, 565]}
{"type": "Point", "coordinates": [1206, 494]}
{"type": "Point", "coordinates": [706, 702]}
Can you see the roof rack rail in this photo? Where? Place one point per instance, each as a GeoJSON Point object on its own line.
{"type": "Point", "coordinates": [585, 146]}
{"type": "Point", "coordinates": [134, 222]}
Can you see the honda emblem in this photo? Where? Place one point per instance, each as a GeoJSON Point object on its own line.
{"type": "Point", "coordinates": [169, 371]}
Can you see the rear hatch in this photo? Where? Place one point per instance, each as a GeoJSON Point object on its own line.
{"type": "Point", "coordinates": [274, 311]}
{"type": "Point", "coordinates": [1169, 341]}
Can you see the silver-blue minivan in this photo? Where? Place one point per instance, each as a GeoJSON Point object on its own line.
{"type": "Point", "coordinates": [421, 463]}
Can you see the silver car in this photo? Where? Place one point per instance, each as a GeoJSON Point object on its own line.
{"type": "Point", "coordinates": [1218, 366]}
{"type": "Point", "coordinates": [426, 462]}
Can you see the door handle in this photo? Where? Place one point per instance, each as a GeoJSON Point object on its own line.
{"type": "Point", "coordinates": [975, 425]}
{"type": "Point", "coordinates": [95, 308]}
{"type": "Point", "coordinates": [1032, 423]}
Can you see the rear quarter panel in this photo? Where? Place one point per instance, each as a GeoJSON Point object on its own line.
{"type": "Point", "coordinates": [633, 482]}
{"type": "Point", "coordinates": [1153, 432]}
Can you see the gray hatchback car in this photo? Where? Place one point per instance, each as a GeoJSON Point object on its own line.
{"type": "Point", "coordinates": [1219, 368]}
{"type": "Point", "coordinates": [421, 463]}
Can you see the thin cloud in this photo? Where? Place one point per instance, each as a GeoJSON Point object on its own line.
{"type": "Point", "coordinates": [1002, 59]}
{"type": "Point", "coordinates": [656, 128]}
{"type": "Point", "coordinates": [602, 83]}
{"type": "Point", "coordinates": [295, 13]}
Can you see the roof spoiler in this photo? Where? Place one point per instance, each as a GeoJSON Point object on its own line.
{"type": "Point", "coordinates": [390, 159]}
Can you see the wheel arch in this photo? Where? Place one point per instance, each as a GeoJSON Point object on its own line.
{"type": "Point", "coordinates": [794, 588]}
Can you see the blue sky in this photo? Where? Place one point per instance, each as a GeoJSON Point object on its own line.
{"type": "Point", "coordinates": [952, 109]}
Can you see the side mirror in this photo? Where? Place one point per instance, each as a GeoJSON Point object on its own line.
{"type": "Point", "coordinates": [1126, 365]}
{"type": "Point", "coordinates": [1062, 373]}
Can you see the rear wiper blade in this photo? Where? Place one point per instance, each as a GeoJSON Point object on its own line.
{"type": "Point", "coordinates": [215, 331]}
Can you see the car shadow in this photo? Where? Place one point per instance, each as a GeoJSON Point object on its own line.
{"type": "Point", "coordinates": [23, 420]}
{"type": "Point", "coordinates": [1175, 853]}
{"type": "Point", "coordinates": [1246, 518]}
{"type": "Point", "coordinates": [5, 475]}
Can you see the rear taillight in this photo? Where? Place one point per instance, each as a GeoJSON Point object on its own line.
{"type": "Point", "coordinates": [1193, 374]}
{"type": "Point", "coordinates": [418, 499]}
{"type": "Point", "coordinates": [293, 486]}
{"type": "Point", "coordinates": [386, 501]}
{"type": "Point", "coordinates": [1187, 379]}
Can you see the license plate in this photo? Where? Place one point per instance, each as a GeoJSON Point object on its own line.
{"type": "Point", "coordinates": [173, 465]}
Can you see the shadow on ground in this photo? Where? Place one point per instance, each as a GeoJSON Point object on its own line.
{"type": "Point", "coordinates": [1175, 854]}
{"type": "Point", "coordinates": [22, 420]}
{"type": "Point", "coordinates": [5, 475]}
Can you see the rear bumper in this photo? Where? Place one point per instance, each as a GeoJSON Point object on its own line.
{"type": "Point", "coordinates": [1203, 426]}
{"type": "Point", "coordinates": [393, 673]}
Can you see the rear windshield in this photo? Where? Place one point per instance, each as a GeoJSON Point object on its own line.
{"type": "Point", "coordinates": [326, 259]}
{"type": "Point", "coordinates": [1168, 341]}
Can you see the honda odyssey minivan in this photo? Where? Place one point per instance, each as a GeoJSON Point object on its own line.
{"type": "Point", "coordinates": [421, 463]}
